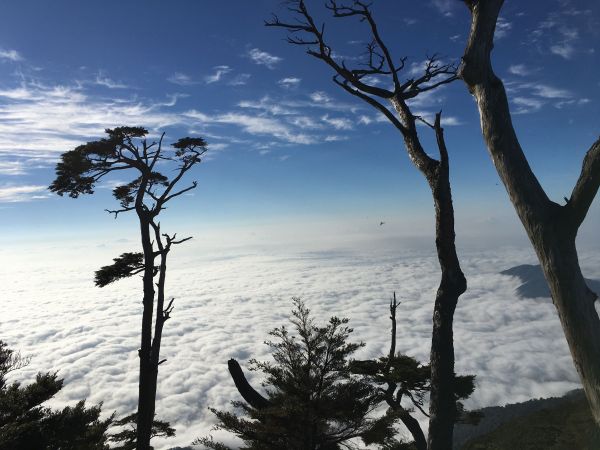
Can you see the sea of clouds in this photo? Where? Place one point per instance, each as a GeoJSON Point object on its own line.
{"type": "Point", "coordinates": [226, 302]}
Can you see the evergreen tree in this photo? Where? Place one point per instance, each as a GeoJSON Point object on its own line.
{"type": "Point", "coordinates": [126, 150]}
{"type": "Point", "coordinates": [27, 425]}
{"type": "Point", "coordinates": [313, 401]}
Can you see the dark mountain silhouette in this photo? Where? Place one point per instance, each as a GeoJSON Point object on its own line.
{"type": "Point", "coordinates": [534, 284]}
{"type": "Point", "coordinates": [495, 416]}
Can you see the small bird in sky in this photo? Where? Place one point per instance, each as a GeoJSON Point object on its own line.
{"type": "Point", "coordinates": [381, 223]}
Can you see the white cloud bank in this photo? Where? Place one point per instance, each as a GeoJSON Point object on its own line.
{"type": "Point", "coordinates": [226, 304]}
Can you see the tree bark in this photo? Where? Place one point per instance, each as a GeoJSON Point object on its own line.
{"type": "Point", "coordinates": [413, 426]}
{"type": "Point", "coordinates": [442, 400]}
{"type": "Point", "coordinates": [148, 371]}
{"type": "Point", "coordinates": [551, 228]}
{"type": "Point", "coordinates": [248, 393]}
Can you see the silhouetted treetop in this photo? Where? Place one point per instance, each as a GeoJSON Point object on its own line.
{"type": "Point", "coordinates": [125, 148]}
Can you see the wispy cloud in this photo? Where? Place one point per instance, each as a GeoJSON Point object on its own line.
{"type": "Point", "coordinates": [563, 31]}
{"type": "Point", "coordinates": [365, 120]}
{"type": "Point", "coordinates": [102, 80]}
{"type": "Point", "coordinates": [40, 121]}
{"type": "Point", "coordinates": [267, 105]}
{"type": "Point", "coordinates": [503, 27]}
{"type": "Point", "coordinates": [289, 82]}
{"type": "Point", "coordinates": [335, 138]}
{"type": "Point", "coordinates": [263, 126]}
{"type": "Point", "coordinates": [530, 97]}
{"type": "Point", "coordinates": [263, 58]}
{"type": "Point", "coordinates": [320, 97]}
{"type": "Point", "coordinates": [564, 49]}
{"type": "Point", "coordinates": [12, 168]}
{"type": "Point", "coordinates": [305, 122]}
{"type": "Point", "coordinates": [546, 91]}
{"type": "Point", "coordinates": [11, 55]}
{"type": "Point", "coordinates": [520, 69]}
{"type": "Point", "coordinates": [239, 80]}
{"type": "Point", "coordinates": [445, 7]}
{"type": "Point", "coordinates": [526, 105]}
{"type": "Point", "coordinates": [219, 71]}
{"type": "Point", "coordinates": [181, 79]}
{"type": "Point", "coordinates": [21, 193]}
{"type": "Point", "coordinates": [339, 123]}
{"type": "Point", "coordinates": [572, 102]}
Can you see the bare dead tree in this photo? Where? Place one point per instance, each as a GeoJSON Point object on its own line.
{"type": "Point", "coordinates": [126, 148]}
{"type": "Point", "coordinates": [392, 103]}
{"type": "Point", "coordinates": [400, 376]}
{"type": "Point", "coordinates": [552, 228]}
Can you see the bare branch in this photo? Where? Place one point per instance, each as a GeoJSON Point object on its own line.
{"type": "Point", "coordinates": [365, 13]}
{"type": "Point", "coordinates": [166, 314]}
{"type": "Point", "coordinates": [158, 151]}
{"type": "Point", "coordinates": [116, 212]}
{"type": "Point", "coordinates": [371, 101]}
{"type": "Point", "coordinates": [392, 353]}
{"type": "Point", "coordinates": [587, 185]}
{"type": "Point", "coordinates": [248, 393]}
{"type": "Point", "coordinates": [176, 194]}
{"type": "Point", "coordinates": [416, 402]}
{"type": "Point", "coordinates": [172, 240]}
{"type": "Point", "coordinates": [324, 53]}
{"type": "Point", "coordinates": [441, 142]}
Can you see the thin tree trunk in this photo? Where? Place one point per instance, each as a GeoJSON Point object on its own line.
{"type": "Point", "coordinates": [413, 426]}
{"type": "Point", "coordinates": [442, 400]}
{"type": "Point", "coordinates": [551, 228]}
{"type": "Point", "coordinates": [148, 372]}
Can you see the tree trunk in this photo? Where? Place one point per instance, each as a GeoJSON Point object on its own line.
{"type": "Point", "coordinates": [442, 400]}
{"type": "Point", "coordinates": [551, 228]}
{"type": "Point", "coordinates": [248, 393]}
{"type": "Point", "coordinates": [413, 426]}
{"type": "Point", "coordinates": [148, 371]}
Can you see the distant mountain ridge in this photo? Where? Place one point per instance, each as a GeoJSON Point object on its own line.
{"type": "Point", "coordinates": [534, 284]}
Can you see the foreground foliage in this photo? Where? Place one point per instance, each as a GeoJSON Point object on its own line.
{"type": "Point", "coordinates": [25, 424]}
{"type": "Point", "coordinates": [312, 399]}
{"type": "Point", "coordinates": [317, 397]}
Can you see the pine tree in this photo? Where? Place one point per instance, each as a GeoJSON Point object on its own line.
{"type": "Point", "coordinates": [25, 424]}
{"type": "Point", "coordinates": [313, 401]}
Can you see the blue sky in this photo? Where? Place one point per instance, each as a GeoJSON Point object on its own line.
{"type": "Point", "coordinates": [288, 148]}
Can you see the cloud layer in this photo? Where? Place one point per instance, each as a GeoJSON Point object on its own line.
{"type": "Point", "coordinates": [226, 304]}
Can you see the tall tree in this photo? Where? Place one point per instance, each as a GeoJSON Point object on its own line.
{"type": "Point", "coordinates": [393, 104]}
{"type": "Point", "coordinates": [126, 149]}
{"type": "Point", "coordinates": [551, 227]}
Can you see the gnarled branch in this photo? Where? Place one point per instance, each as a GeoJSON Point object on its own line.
{"type": "Point", "coordinates": [248, 393]}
